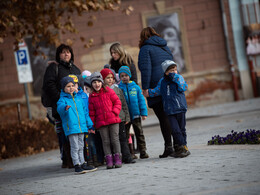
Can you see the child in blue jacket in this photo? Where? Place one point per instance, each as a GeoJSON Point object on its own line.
{"type": "Point", "coordinates": [90, 152]}
{"type": "Point", "coordinates": [136, 106]}
{"type": "Point", "coordinates": [75, 122]}
{"type": "Point", "coordinates": [171, 87]}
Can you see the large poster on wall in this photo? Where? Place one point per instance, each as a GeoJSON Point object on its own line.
{"type": "Point", "coordinates": [170, 26]}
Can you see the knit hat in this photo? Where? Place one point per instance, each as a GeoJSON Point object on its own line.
{"type": "Point", "coordinates": [106, 66]}
{"type": "Point", "coordinates": [96, 76]}
{"type": "Point", "coordinates": [124, 69]}
{"type": "Point", "coordinates": [65, 80]}
{"type": "Point", "coordinates": [86, 73]}
{"type": "Point", "coordinates": [104, 72]}
{"type": "Point", "coordinates": [167, 63]}
{"type": "Point", "coordinates": [87, 81]}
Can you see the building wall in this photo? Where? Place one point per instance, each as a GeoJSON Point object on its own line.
{"type": "Point", "coordinates": [208, 73]}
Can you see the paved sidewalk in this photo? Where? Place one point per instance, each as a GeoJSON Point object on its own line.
{"type": "Point", "coordinates": [212, 111]}
{"type": "Point", "coordinates": [217, 170]}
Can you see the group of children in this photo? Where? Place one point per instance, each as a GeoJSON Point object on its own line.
{"type": "Point", "coordinates": [109, 107]}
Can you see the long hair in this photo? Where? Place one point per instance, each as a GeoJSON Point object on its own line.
{"type": "Point", "coordinates": [125, 58]}
{"type": "Point", "coordinates": [60, 49]}
{"type": "Point", "coordinates": [145, 34]}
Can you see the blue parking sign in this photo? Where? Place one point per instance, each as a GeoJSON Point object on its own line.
{"type": "Point", "coordinates": [22, 57]}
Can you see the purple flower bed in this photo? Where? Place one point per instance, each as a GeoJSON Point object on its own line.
{"type": "Point", "coordinates": [249, 136]}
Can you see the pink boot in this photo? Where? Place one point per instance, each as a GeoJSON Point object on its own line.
{"type": "Point", "coordinates": [109, 161]}
{"type": "Point", "coordinates": [117, 160]}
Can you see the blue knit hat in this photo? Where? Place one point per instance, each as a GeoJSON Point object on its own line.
{"type": "Point", "coordinates": [65, 80]}
{"type": "Point", "coordinates": [124, 69]}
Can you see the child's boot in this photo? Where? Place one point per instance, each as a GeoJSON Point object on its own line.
{"type": "Point", "coordinates": [117, 160]}
{"type": "Point", "coordinates": [143, 155]}
{"type": "Point", "coordinates": [109, 161]}
{"type": "Point", "coordinates": [131, 147]}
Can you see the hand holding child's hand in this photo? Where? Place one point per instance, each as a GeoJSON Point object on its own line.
{"type": "Point", "coordinates": [144, 117]}
{"type": "Point", "coordinates": [145, 93]}
{"type": "Point", "coordinates": [67, 107]}
{"type": "Point", "coordinates": [126, 122]}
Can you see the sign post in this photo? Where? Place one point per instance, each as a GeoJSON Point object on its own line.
{"type": "Point", "coordinates": [24, 70]}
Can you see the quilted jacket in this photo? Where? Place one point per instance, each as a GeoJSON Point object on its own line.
{"type": "Point", "coordinates": [104, 107]}
{"type": "Point", "coordinates": [151, 55]}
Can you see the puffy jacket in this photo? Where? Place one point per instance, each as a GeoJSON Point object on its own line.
{"type": "Point", "coordinates": [134, 99]}
{"type": "Point", "coordinates": [75, 119]}
{"type": "Point", "coordinates": [51, 82]}
{"type": "Point", "coordinates": [151, 55]}
{"type": "Point", "coordinates": [171, 88]}
{"type": "Point", "coordinates": [104, 107]}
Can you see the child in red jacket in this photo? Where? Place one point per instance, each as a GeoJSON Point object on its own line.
{"type": "Point", "coordinates": [104, 109]}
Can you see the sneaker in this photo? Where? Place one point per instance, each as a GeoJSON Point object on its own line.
{"type": "Point", "coordinates": [87, 168]}
{"type": "Point", "coordinates": [144, 155]}
{"type": "Point", "coordinates": [182, 152]}
{"type": "Point", "coordinates": [79, 170]}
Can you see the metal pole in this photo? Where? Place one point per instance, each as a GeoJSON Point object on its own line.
{"type": "Point", "coordinates": [19, 112]}
{"type": "Point", "coordinates": [27, 101]}
{"type": "Point", "coordinates": [231, 65]}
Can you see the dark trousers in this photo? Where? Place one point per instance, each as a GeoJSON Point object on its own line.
{"type": "Point", "coordinates": [126, 155]}
{"type": "Point", "coordinates": [164, 123]}
{"type": "Point", "coordinates": [139, 133]}
{"type": "Point", "coordinates": [178, 124]}
{"type": "Point", "coordinates": [89, 146]}
{"type": "Point", "coordinates": [99, 147]}
{"type": "Point", "coordinates": [65, 149]}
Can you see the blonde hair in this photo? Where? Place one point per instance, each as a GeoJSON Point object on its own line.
{"type": "Point", "coordinates": [125, 58]}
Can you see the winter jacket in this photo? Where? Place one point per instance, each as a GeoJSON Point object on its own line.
{"type": "Point", "coordinates": [171, 88]}
{"type": "Point", "coordinates": [115, 65]}
{"type": "Point", "coordinates": [104, 107]}
{"type": "Point", "coordinates": [151, 55]}
{"type": "Point", "coordinates": [51, 82]}
{"type": "Point", "coordinates": [75, 119]}
{"type": "Point", "coordinates": [84, 97]}
{"type": "Point", "coordinates": [124, 113]}
{"type": "Point", "coordinates": [134, 99]}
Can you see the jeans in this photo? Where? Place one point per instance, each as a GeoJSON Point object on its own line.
{"type": "Point", "coordinates": [178, 124]}
{"type": "Point", "coordinates": [90, 147]}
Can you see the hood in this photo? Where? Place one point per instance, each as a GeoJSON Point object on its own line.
{"type": "Point", "coordinates": [155, 40]}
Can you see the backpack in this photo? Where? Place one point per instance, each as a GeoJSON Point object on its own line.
{"type": "Point", "coordinates": [45, 98]}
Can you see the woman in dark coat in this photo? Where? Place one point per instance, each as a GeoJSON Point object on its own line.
{"type": "Point", "coordinates": [153, 51]}
{"type": "Point", "coordinates": [56, 70]}
{"type": "Point", "coordinates": [120, 57]}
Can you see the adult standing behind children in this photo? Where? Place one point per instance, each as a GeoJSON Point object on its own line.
{"type": "Point", "coordinates": [153, 51]}
{"type": "Point", "coordinates": [75, 122]}
{"type": "Point", "coordinates": [120, 57]}
{"type": "Point", "coordinates": [63, 66]}
{"type": "Point", "coordinates": [172, 87]}
{"type": "Point", "coordinates": [136, 106]}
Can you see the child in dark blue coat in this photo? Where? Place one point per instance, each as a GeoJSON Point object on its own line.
{"type": "Point", "coordinates": [172, 87]}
